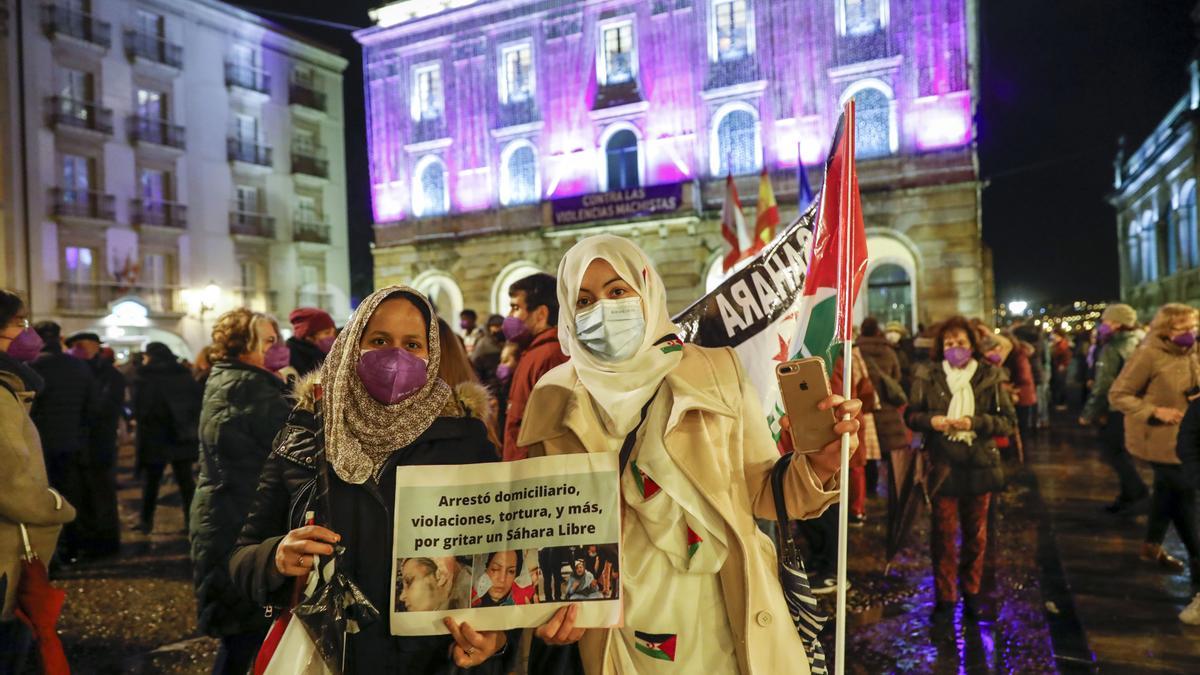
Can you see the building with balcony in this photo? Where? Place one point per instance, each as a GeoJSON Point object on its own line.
{"type": "Point", "coordinates": [488, 120]}
{"type": "Point", "coordinates": [146, 157]}
{"type": "Point", "coordinates": [1155, 198]}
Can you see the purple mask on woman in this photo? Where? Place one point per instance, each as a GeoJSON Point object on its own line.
{"type": "Point", "coordinates": [1103, 333]}
{"type": "Point", "coordinates": [513, 328]}
{"type": "Point", "coordinates": [957, 356]}
{"type": "Point", "coordinates": [993, 358]}
{"type": "Point", "coordinates": [1185, 340]}
{"type": "Point", "coordinates": [391, 375]}
{"type": "Point", "coordinates": [325, 344]}
{"type": "Point", "coordinates": [503, 372]}
{"type": "Point", "coordinates": [26, 346]}
{"type": "Point", "coordinates": [277, 357]}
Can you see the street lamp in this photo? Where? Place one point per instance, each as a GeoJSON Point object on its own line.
{"type": "Point", "coordinates": [1018, 307]}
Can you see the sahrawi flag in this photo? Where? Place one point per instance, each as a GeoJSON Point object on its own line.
{"type": "Point", "coordinates": [766, 309]}
{"type": "Point", "coordinates": [733, 225]}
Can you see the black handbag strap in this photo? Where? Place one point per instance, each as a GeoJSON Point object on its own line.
{"type": "Point", "coordinates": [631, 437]}
{"type": "Point", "coordinates": [784, 542]}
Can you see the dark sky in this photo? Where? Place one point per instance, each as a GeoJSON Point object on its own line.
{"type": "Point", "coordinates": [1061, 80]}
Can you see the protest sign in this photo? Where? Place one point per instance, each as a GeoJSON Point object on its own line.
{"type": "Point", "coordinates": [504, 545]}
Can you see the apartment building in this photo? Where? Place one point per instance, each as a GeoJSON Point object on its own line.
{"type": "Point", "coordinates": [167, 160]}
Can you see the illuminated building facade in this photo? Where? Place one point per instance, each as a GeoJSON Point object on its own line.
{"type": "Point", "coordinates": [167, 160]}
{"type": "Point", "coordinates": [491, 123]}
{"type": "Point", "coordinates": [1155, 199]}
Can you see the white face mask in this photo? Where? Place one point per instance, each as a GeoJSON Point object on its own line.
{"type": "Point", "coordinates": [612, 329]}
{"type": "Point", "coordinates": [892, 336]}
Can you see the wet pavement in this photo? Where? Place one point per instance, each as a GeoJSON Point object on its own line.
{"type": "Point", "coordinates": [1065, 589]}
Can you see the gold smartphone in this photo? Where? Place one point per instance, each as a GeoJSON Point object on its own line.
{"type": "Point", "coordinates": [803, 385]}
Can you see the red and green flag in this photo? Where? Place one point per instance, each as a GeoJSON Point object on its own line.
{"type": "Point", "coordinates": [656, 645]}
{"type": "Point", "coordinates": [733, 224]}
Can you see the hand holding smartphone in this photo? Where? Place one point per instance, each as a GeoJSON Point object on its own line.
{"type": "Point", "coordinates": [803, 385]}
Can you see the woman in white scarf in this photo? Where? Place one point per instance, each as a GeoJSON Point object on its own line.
{"type": "Point", "coordinates": [693, 569]}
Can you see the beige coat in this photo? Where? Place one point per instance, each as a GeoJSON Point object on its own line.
{"type": "Point", "coordinates": [1156, 376]}
{"type": "Point", "coordinates": [25, 494]}
{"type": "Point", "coordinates": [717, 435]}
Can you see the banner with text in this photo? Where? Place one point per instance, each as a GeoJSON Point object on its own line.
{"type": "Point", "coordinates": [617, 204]}
{"type": "Point", "coordinates": [504, 545]}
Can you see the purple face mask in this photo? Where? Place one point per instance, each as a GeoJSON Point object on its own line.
{"type": "Point", "coordinates": [993, 358]}
{"type": "Point", "coordinates": [391, 375]}
{"type": "Point", "coordinates": [513, 328]}
{"type": "Point", "coordinates": [957, 356]}
{"type": "Point", "coordinates": [1103, 333]}
{"type": "Point", "coordinates": [78, 352]}
{"type": "Point", "coordinates": [277, 357]}
{"type": "Point", "coordinates": [1185, 340]}
{"type": "Point", "coordinates": [26, 346]}
{"type": "Point", "coordinates": [326, 343]}
{"type": "Point", "coordinates": [503, 372]}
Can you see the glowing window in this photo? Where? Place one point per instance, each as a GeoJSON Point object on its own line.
{"type": "Point", "coordinates": [431, 197]}
{"type": "Point", "coordinates": [622, 155]}
{"type": "Point", "coordinates": [731, 29]}
{"type": "Point", "coordinates": [618, 54]}
{"type": "Point", "coordinates": [861, 17]}
{"type": "Point", "coordinates": [1185, 219]}
{"type": "Point", "coordinates": [519, 183]}
{"type": "Point", "coordinates": [737, 143]}
{"type": "Point", "coordinates": [427, 99]}
{"type": "Point", "coordinates": [516, 73]}
{"type": "Point", "coordinates": [873, 113]}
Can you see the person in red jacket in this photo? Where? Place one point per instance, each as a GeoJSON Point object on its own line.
{"type": "Point", "coordinates": [532, 323]}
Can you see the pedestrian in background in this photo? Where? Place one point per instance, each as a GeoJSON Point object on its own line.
{"type": "Point", "coordinates": [456, 369]}
{"type": "Point", "coordinates": [101, 531]}
{"type": "Point", "coordinates": [242, 412]}
{"type": "Point", "coordinates": [472, 332]}
{"type": "Point", "coordinates": [1060, 361]}
{"type": "Point", "coordinates": [166, 405]}
{"type": "Point", "coordinates": [63, 413]}
{"type": "Point", "coordinates": [313, 332]}
{"type": "Point", "coordinates": [1117, 343]}
{"type": "Point", "coordinates": [1153, 391]}
{"type": "Point", "coordinates": [203, 365]}
{"type": "Point", "coordinates": [485, 357]}
{"type": "Point", "coordinates": [533, 323]}
{"type": "Point", "coordinates": [26, 497]}
{"type": "Point", "coordinates": [958, 403]}
{"type": "Point", "coordinates": [887, 374]}
{"type": "Point", "coordinates": [1024, 383]}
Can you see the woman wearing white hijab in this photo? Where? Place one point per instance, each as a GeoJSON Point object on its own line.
{"type": "Point", "coordinates": [699, 582]}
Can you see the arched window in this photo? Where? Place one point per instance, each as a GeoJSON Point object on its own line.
{"type": "Point", "coordinates": [431, 196]}
{"type": "Point", "coordinates": [442, 290]}
{"type": "Point", "coordinates": [621, 152]}
{"type": "Point", "coordinates": [1133, 247]}
{"type": "Point", "coordinates": [873, 126]}
{"type": "Point", "coordinates": [1167, 244]}
{"type": "Point", "coordinates": [519, 180]}
{"type": "Point", "coordinates": [511, 274]}
{"type": "Point", "coordinates": [1185, 222]}
{"type": "Point", "coordinates": [738, 148]}
{"type": "Point", "coordinates": [1149, 262]}
{"type": "Point", "coordinates": [889, 294]}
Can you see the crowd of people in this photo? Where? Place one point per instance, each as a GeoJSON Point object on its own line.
{"type": "Point", "coordinates": [296, 443]}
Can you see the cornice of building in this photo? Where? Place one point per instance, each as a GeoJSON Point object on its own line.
{"type": "Point", "coordinates": [221, 16]}
{"type": "Point", "coordinates": [407, 18]}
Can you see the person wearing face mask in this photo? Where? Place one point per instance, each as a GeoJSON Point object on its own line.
{"type": "Point", "coordinates": [468, 323]}
{"type": "Point", "coordinates": [378, 403]}
{"type": "Point", "coordinates": [485, 356]}
{"type": "Point", "coordinates": [898, 337]}
{"type": "Point", "coordinates": [166, 404]}
{"type": "Point", "coordinates": [1117, 343]}
{"type": "Point", "coordinates": [28, 498]}
{"type": "Point", "coordinates": [960, 405]}
{"type": "Point", "coordinates": [1152, 392]}
{"type": "Point", "coordinates": [697, 475]}
{"type": "Point", "coordinates": [313, 332]}
{"type": "Point", "coordinates": [243, 410]}
{"type": "Point", "coordinates": [533, 325]}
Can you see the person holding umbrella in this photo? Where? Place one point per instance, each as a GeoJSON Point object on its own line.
{"type": "Point", "coordinates": [26, 499]}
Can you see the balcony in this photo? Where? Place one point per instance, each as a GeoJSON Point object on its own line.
{"type": "Point", "coordinates": [310, 161]}
{"type": "Point", "coordinates": [248, 224]}
{"type": "Point", "coordinates": [159, 213]}
{"type": "Point", "coordinates": [429, 129]}
{"type": "Point", "coordinates": [74, 116]}
{"type": "Point", "coordinates": [248, 153]}
{"type": "Point", "coordinates": [516, 113]}
{"type": "Point", "coordinates": [82, 204]}
{"type": "Point", "coordinates": [309, 227]}
{"type": "Point", "coordinates": [78, 27]}
{"type": "Point", "coordinates": [156, 132]}
{"type": "Point", "coordinates": [732, 73]}
{"type": "Point", "coordinates": [152, 49]}
{"type": "Point", "coordinates": [247, 79]}
{"type": "Point", "coordinates": [97, 296]}
{"type": "Point", "coordinates": [257, 300]}
{"type": "Point", "coordinates": [305, 95]}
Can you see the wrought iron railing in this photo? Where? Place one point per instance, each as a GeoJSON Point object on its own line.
{"type": "Point", "coordinates": [250, 152]}
{"type": "Point", "coordinates": [159, 213]}
{"type": "Point", "coordinates": [310, 160]}
{"type": "Point", "coordinates": [154, 48]}
{"type": "Point", "coordinates": [251, 224]}
{"type": "Point", "coordinates": [157, 131]}
{"type": "Point", "coordinates": [82, 204]}
{"type": "Point", "coordinates": [246, 77]}
{"type": "Point", "coordinates": [67, 112]}
{"type": "Point", "coordinates": [98, 295]}
{"type": "Point", "coordinates": [58, 20]}
{"type": "Point", "coordinates": [301, 93]}
{"type": "Point", "coordinates": [309, 227]}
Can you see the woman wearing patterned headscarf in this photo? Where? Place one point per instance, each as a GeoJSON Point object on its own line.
{"type": "Point", "coordinates": [377, 403]}
{"type": "Point", "coordinates": [698, 581]}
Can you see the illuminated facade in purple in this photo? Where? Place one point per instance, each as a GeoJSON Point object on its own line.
{"type": "Point", "coordinates": [479, 111]}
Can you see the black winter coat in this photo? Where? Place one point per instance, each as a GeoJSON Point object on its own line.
{"type": "Point", "coordinates": [244, 409]}
{"type": "Point", "coordinates": [305, 356]}
{"type": "Point", "coordinates": [963, 470]}
{"type": "Point", "coordinates": [166, 403]}
{"type": "Point", "coordinates": [1187, 443]}
{"type": "Point", "coordinates": [64, 410]}
{"type": "Point", "coordinates": [362, 515]}
{"type": "Point", "coordinates": [110, 400]}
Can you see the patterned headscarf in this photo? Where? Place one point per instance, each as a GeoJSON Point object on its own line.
{"type": "Point", "coordinates": [360, 432]}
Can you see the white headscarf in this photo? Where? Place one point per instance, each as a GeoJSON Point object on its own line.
{"type": "Point", "coordinates": [619, 390]}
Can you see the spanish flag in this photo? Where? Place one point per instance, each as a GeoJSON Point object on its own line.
{"type": "Point", "coordinates": [768, 214]}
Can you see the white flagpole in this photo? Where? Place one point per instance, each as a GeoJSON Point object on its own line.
{"type": "Point", "coordinates": [845, 279]}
